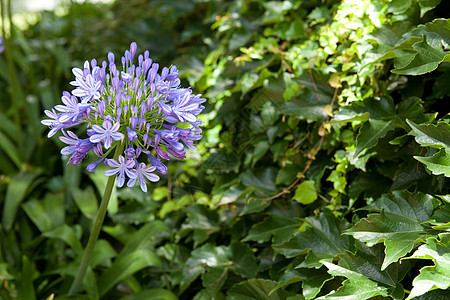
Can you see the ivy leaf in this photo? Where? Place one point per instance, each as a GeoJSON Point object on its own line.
{"type": "Point", "coordinates": [367, 261]}
{"type": "Point", "coordinates": [202, 221]}
{"type": "Point", "coordinates": [312, 280]}
{"type": "Point", "coordinates": [436, 136]}
{"type": "Point", "coordinates": [311, 103]}
{"type": "Point", "coordinates": [427, 5]}
{"type": "Point", "coordinates": [426, 60]}
{"type": "Point", "coordinates": [280, 227]}
{"type": "Point", "coordinates": [305, 192]}
{"type": "Point", "coordinates": [398, 225]}
{"type": "Point", "coordinates": [323, 239]}
{"type": "Point", "coordinates": [399, 6]}
{"type": "Point", "coordinates": [429, 135]}
{"type": "Point", "coordinates": [371, 132]}
{"type": "Point", "coordinates": [380, 116]}
{"type": "Point", "coordinates": [201, 258]}
{"type": "Point", "coordinates": [438, 164]}
{"type": "Point", "coordinates": [355, 287]}
{"type": "Point", "coordinates": [256, 289]}
{"type": "Point", "coordinates": [437, 276]}
{"type": "Point", "coordinates": [244, 261]}
{"type": "Point", "coordinates": [263, 182]}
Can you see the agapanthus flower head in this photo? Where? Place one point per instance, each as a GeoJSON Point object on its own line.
{"type": "Point", "coordinates": [131, 108]}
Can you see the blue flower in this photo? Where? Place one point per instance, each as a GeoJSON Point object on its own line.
{"type": "Point", "coordinates": [121, 168]}
{"type": "Point", "coordinates": [2, 48]}
{"type": "Point", "coordinates": [77, 147]}
{"type": "Point", "coordinates": [106, 133]}
{"type": "Point", "coordinates": [138, 107]}
{"type": "Point", "coordinates": [143, 171]}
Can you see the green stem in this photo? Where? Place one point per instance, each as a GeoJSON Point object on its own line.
{"type": "Point", "coordinates": [96, 229]}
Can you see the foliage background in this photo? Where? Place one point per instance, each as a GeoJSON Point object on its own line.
{"type": "Point", "coordinates": [323, 171]}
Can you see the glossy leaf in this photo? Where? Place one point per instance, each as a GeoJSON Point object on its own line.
{"type": "Point", "coordinates": [305, 192]}
{"type": "Point", "coordinates": [206, 256]}
{"type": "Point", "coordinates": [256, 289]}
{"type": "Point", "coordinates": [323, 238]}
{"type": "Point", "coordinates": [436, 136]}
{"type": "Point", "coordinates": [279, 228]}
{"type": "Point", "coordinates": [437, 276]}
{"type": "Point", "coordinates": [355, 287]}
{"type": "Point", "coordinates": [439, 163]}
{"type": "Point", "coordinates": [398, 225]}
{"type": "Point", "coordinates": [312, 280]}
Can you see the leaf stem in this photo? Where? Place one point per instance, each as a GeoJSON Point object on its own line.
{"type": "Point", "coordinates": [96, 229]}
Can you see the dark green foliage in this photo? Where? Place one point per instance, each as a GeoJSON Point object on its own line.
{"type": "Point", "coordinates": [323, 172]}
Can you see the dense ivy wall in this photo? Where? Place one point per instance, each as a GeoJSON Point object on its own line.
{"type": "Point", "coordinates": [323, 172]}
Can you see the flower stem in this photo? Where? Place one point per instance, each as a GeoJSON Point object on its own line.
{"type": "Point", "coordinates": [95, 230]}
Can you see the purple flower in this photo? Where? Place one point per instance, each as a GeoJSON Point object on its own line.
{"type": "Point", "coordinates": [2, 48]}
{"type": "Point", "coordinates": [160, 167]}
{"type": "Point", "coordinates": [72, 110]}
{"type": "Point", "coordinates": [142, 172]}
{"type": "Point", "coordinates": [106, 134]}
{"type": "Point", "coordinates": [87, 87]}
{"type": "Point", "coordinates": [133, 105]}
{"type": "Point", "coordinates": [53, 123]}
{"type": "Point", "coordinates": [77, 147]}
{"type": "Point", "coordinates": [121, 168]}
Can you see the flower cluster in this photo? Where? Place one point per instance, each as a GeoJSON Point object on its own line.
{"type": "Point", "coordinates": [140, 110]}
{"type": "Point", "coordinates": [1, 45]}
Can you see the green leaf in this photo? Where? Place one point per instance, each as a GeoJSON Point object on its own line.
{"type": "Point", "coordinates": [367, 261]}
{"type": "Point", "coordinates": [382, 119]}
{"type": "Point", "coordinates": [143, 237]}
{"type": "Point", "coordinates": [264, 181]}
{"type": "Point", "coordinates": [355, 287]}
{"type": "Point", "coordinates": [256, 289]}
{"type": "Point", "coordinates": [202, 221]}
{"type": "Point", "coordinates": [26, 288]}
{"type": "Point", "coordinates": [154, 294]}
{"type": "Point", "coordinates": [46, 214]}
{"type": "Point", "coordinates": [312, 103]}
{"type": "Point", "coordinates": [399, 6]}
{"type": "Point", "coordinates": [426, 60]}
{"type": "Point", "coordinates": [244, 261]}
{"type": "Point", "coordinates": [370, 133]}
{"type": "Point", "coordinates": [125, 266]}
{"type": "Point", "coordinates": [438, 164]}
{"type": "Point", "coordinates": [398, 225]}
{"type": "Point", "coordinates": [312, 280]}
{"type": "Point", "coordinates": [323, 238]}
{"type": "Point", "coordinates": [86, 201]}
{"type": "Point", "coordinates": [281, 228]}
{"type": "Point", "coordinates": [11, 150]}
{"type": "Point", "coordinates": [206, 256]}
{"type": "Point", "coordinates": [437, 276]}
{"type": "Point", "coordinates": [159, 193]}
{"type": "Point", "coordinates": [427, 5]}
{"type": "Point", "coordinates": [305, 192]}
{"type": "Point", "coordinates": [102, 254]}
{"type": "Point", "coordinates": [67, 234]}
{"type": "Point", "coordinates": [17, 189]}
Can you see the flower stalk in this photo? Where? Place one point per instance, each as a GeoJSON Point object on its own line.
{"type": "Point", "coordinates": [95, 230]}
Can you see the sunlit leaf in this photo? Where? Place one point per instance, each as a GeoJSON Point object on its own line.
{"type": "Point", "coordinates": [437, 276]}
{"type": "Point", "coordinates": [398, 225]}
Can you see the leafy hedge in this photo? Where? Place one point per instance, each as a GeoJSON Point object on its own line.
{"type": "Point", "coordinates": [323, 173]}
